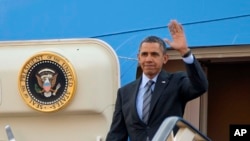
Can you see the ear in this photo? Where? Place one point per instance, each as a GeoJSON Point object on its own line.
{"type": "Point", "coordinates": [138, 57]}
{"type": "Point", "coordinates": [165, 58]}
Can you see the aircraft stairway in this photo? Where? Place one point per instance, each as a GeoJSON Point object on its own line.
{"type": "Point", "coordinates": [185, 132]}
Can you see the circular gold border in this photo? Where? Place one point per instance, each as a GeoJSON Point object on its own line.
{"type": "Point", "coordinates": [70, 73]}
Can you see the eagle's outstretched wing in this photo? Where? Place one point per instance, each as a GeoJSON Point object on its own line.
{"type": "Point", "coordinates": [39, 80]}
{"type": "Point", "coordinates": [53, 80]}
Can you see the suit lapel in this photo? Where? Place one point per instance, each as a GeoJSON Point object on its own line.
{"type": "Point", "coordinates": [161, 83]}
{"type": "Point", "coordinates": [134, 92]}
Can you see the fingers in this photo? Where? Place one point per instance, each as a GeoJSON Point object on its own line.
{"type": "Point", "coordinates": [175, 27]}
{"type": "Point", "coordinates": [167, 41]}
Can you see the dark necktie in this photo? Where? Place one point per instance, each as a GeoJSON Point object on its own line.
{"type": "Point", "coordinates": [146, 101]}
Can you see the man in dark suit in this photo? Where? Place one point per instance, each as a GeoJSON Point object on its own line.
{"type": "Point", "coordinates": [169, 92]}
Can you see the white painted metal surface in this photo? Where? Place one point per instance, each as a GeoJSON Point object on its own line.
{"type": "Point", "coordinates": [88, 115]}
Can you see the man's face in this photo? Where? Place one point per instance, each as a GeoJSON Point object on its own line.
{"type": "Point", "coordinates": [151, 58]}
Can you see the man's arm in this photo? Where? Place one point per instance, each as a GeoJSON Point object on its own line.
{"type": "Point", "coordinates": [196, 82]}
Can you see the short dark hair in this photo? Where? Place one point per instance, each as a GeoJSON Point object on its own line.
{"type": "Point", "coordinates": [155, 39]}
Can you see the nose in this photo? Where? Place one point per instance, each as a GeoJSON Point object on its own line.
{"type": "Point", "coordinates": [149, 58]}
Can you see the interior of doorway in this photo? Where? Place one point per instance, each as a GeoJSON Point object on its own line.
{"type": "Point", "coordinates": [228, 97]}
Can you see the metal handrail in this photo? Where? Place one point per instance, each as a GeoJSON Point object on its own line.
{"type": "Point", "coordinates": [186, 132]}
{"type": "Point", "coordinates": [9, 133]}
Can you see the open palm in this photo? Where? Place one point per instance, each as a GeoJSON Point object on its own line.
{"type": "Point", "coordinates": [178, 42]}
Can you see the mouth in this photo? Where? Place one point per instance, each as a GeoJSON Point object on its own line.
{"type": "Point", "coordinates": [149, 66]}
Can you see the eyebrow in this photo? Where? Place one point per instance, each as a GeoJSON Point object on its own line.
{"type": "Point", "coordinates": [153, 53]}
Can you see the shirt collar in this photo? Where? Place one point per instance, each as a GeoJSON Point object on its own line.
{"type": "Point", "coordinates": [145, 79]}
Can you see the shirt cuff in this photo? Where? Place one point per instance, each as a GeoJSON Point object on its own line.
{"type": "Point", "coordinates": [189, 59]}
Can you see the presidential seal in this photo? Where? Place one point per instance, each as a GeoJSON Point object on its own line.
{"type": "Point", "coordinates": [47, 82]}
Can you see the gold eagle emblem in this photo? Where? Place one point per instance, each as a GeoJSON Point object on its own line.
{"type": "Point", "coordinates": [46, 79]}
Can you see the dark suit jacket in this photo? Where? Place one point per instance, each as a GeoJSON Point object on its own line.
{"type": "Point", "coordinates": [171, 93]}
